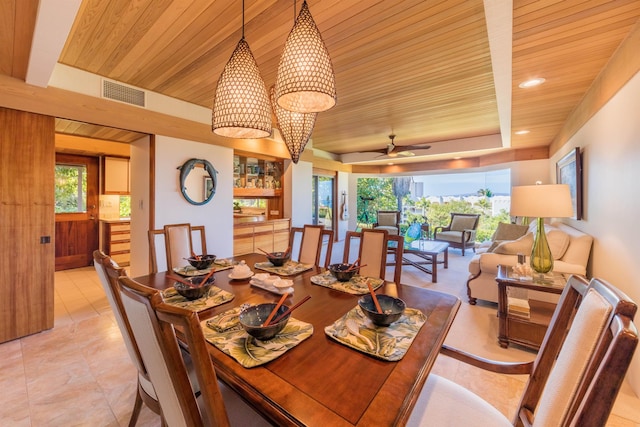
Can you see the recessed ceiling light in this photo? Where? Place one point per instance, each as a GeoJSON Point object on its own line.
{"type": "Point", "coordinates": [390, 163]}
{"type": "Point", "coordinates": [457, 158]}
{"type": "Point", "coordinates": [522, 132]}
{"type": "Point", "coordinates": [531, 83]}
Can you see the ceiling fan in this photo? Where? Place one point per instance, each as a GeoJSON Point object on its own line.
{"type": "Point", "coordinates": [393, 150]}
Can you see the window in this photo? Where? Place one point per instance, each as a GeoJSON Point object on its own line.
{"type": "Point", "coordinates": [70, 188]}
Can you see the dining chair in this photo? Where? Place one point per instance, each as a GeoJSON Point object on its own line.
{"type": "Point", "coordinates": [574, 379]}
{"type": "Point", "coordinates": [373, 250]}
{"type": "Point", "coordinates": [153, 325]}
{"type": "Point", "coordinates": [108, 273]}
{"type": "Point", "coordinates": [178, 243]}
{"type": "Point", "coordinates": [312, 238]}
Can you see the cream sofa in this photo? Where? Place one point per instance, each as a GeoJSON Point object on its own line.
{"type": "Point", "coordinates": [570, 248]}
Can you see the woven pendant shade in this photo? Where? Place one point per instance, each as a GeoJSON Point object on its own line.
{"type": "Point", "coordinates": [241, 105]}
{"type": "Point", "coordinates": [295, 128]}
{"type": "Point", "coordinates": [305, 81]}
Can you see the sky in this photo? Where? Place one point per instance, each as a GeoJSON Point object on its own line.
{"type": "Point", "coordinates": [499, 182]}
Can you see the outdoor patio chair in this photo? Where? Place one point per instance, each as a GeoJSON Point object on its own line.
{"type": "Point", "coordinates": [389, 221]}
{"type": "Point", "coordinates": [461, 231]}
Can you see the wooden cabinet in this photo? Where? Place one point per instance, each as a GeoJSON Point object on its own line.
{"type": "Point", "coordinates": [115, 175]}
{"type": "Point", "coordinates": [249, 237]}
{"type": "Point", "coordinates": [116, 241]}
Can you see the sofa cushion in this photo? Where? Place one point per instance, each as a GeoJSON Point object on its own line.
{"type": "Point", "coordinates": [461, 223]}
{"type": "Point", "coordinates": [506, 231]}
{"type": "Point", "coordinates": [450, 236]}
{"type": "Point", "coordinates": [558, 242]}
{"type": "Point", "coordinates": [390, 230]}
{"type": "Point", "coordinates": [521, 245]}
{"type": "Point", "coordinates": [387, 219]}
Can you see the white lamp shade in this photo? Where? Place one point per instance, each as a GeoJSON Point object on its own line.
{"type": "Point", "coordinates": [305, 82]}
{"type": "Point", "coordinates": [295, 128]}
{"type": "Point", "coordinates": [241, 106]}
{"type": "Point", "coordinates": [541, 201]}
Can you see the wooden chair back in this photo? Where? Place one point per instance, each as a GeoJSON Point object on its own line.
{"type": "Point", "coordinates": [108, 273]}
{"type": "Point", "coordinates": [178, 244]}
{"type": "Point", "coordinates": [312, 240]}
{"type": "Point", "coordinates": [211, 401]}
{"type": "Point", "coordinates": [583, 358]}
{"type": "Point", "coordinates": [161, 355]}
{"type": "Point", "coordinates": [372, 252]}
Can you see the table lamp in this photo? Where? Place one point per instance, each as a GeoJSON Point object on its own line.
{"type": "Point", "coordinates": [541, 201]}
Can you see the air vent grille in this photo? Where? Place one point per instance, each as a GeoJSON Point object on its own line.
{"type": "Point", "coordinates": [118, 92]}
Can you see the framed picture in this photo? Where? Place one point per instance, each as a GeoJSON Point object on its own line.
{"type": "Point", "coordinates": [569, 171]}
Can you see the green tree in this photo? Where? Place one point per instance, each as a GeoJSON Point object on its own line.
{"type": "Point", "coordinates": [374, 194]}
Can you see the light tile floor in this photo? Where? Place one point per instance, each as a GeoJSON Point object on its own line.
{"type": "Point", "coordinates": [79, 373]}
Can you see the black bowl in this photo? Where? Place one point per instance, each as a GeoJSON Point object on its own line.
{"type": "Point", "coordinates": [340, 272]}
{"type": "Point", "coordinates": [253, 317]}
{"type": "Point", "coordinates": [278, 258]}
{"type": "Point", "coordinates": [392, 309]}
{"type": "Point", "coordinates": [202, 262]}
{"type": "Point", "coordinates": [198, 291]}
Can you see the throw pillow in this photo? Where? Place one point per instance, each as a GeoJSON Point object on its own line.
{"type": "Point", "coordinates": [506, 231]}
{"type": "Point", "coordinates": [522, 245]}
{"type": "Point", "coordinates": [558, 242]}
{"type": "Point", "coordinates": [461, 223]}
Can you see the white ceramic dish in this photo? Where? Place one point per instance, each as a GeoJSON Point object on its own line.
{"type": "Point", "coordinates": [240, 277]}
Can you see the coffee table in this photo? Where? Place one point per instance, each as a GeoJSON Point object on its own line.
{"type": "Point", "coordinates": [427, 251]}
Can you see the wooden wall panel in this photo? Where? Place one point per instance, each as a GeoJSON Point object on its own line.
{"type": "Point", "coordinates": [27, 153]}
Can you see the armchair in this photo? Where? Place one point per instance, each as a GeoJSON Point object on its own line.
{"type": "Point", "coordinates": [389, 221]}
{"type": "Point", "coordinates": [461, 231]}
{"type": "Point", "coordinates": [574, 379]}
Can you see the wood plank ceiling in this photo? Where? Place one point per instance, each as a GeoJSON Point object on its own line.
{"type": "Point", "coordinates": [420, 69]}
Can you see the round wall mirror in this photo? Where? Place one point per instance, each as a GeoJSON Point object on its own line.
{"type": "Point", "coordinates": [198, 181]}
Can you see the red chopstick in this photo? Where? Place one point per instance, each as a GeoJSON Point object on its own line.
{"type": "Point", "coordinates": [375, 298]}
{"type": "Point", "coordinates": [275, 310]}
{"type": "Point", "coordinates": [283, 315]}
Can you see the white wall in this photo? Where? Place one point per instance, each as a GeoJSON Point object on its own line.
{"type": "Point", "coordinates": [343, 186]}
{"type": "Point", "coordinates": [139, 207]}
{"type": "Point", "coordinates": [610, 146]}
{"type": "Point", "coordinates": [298, 201]}
{"type": "Point", "coordinates": [171, 207]}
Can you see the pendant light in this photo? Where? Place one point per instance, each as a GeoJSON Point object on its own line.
{"type": "Point", "coordinates": [305, 82]}
{"type": "Point", "coordinates": [295, 128]}
{"type": "Point", "coordinates": [241, 104]}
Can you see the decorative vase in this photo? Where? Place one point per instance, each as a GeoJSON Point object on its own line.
{"type": "Point", "coordinates": [541, 257]}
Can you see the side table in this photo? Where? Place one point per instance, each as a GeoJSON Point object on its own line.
{"type": "Point", "coordinates": [530, 331]}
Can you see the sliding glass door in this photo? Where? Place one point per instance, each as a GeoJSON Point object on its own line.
{"type": "Point", "coordinates": [323, 200]}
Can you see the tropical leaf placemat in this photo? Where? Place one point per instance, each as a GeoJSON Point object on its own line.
{"type": "Point", "coordinates": [225, 332]}
{"type": "Point", "coordinates": [356, 286]}
{"type": "Point", "coordinates": [288, 269]}
{"type": "Point", "coordinates": [190, 271]}
{"type": "Point", "coordinates": [389, 343]}
{"type": "Point", "coordinates": [214, 297]}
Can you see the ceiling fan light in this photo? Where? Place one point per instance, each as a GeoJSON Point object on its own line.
{"type": "Point", "coordinates": [295, 128]}
{"type": "Point", "coordinates": [241, 105]}
{"type": "Point", "coordinates": [305, 82]}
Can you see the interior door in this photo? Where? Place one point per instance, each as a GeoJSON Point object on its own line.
{"type": "Point", "coordinates": [76, 203]}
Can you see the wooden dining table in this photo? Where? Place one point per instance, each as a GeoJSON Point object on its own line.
{"type": "Point", "coordinates": [321, 382]}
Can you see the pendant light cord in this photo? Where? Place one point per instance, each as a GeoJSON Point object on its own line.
{"type": "Point", "coordinates": [243, 19]}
